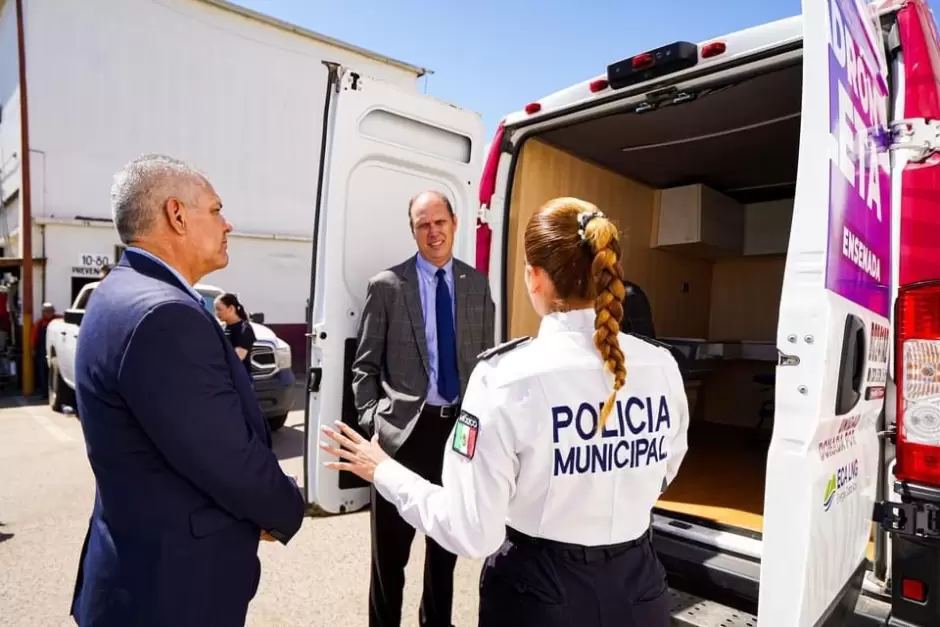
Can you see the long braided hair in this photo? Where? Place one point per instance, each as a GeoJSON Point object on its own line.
{"type": "Point", "coordinates": [579, 249]}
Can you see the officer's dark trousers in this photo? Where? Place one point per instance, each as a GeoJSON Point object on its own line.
{"type": "Point", "coordinates": [422, 452]}
{"type": "Point", "coordinates": [536, 582]}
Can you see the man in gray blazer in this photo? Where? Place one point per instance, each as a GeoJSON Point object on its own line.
{"type": "Point", "coordinates": [423, 325]}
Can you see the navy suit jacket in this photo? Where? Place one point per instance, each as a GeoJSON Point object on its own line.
{"type": "Point", "coordinates": [185, 476]}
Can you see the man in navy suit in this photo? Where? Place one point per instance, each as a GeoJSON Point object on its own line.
{"type": "Point", "coordinates": [186, 482]}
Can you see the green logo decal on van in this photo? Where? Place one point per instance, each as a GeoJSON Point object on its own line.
{"type": "Point", "coordinates": [830, 494]}
{"type": "Point", "coordinates": [841, 484]}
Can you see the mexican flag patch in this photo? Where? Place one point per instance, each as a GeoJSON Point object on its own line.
{"type": "Point", "coordinates": [465, 434]}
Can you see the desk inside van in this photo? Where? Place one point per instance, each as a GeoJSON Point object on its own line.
{"type": "Point", "coordinates": [726, 368]}
{"type": "Point", "coordinates": [700, 349]}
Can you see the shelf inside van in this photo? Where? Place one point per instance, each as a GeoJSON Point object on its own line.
{"type": "Point", "coordinates": [752, 350]}
{"type": "Point", "coordinates": [749, 350]}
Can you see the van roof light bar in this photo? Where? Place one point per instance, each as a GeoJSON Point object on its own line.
{"type": "Point", "coordinates": [647, 65]}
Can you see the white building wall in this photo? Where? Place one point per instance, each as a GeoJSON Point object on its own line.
{"type": "Point", "coordinates": [236, 97]}
{"type": "Point", "coordinates": [270, 276]}
{"type": "Point", "coordinates": [240, 99]}
{"type": "Point", "coordinates": [9, 114]}
{"type": "Point", "coordinates": [63, 247]}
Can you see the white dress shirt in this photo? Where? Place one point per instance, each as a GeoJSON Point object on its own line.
{"type": "Point", "coordinates": [524, 454]}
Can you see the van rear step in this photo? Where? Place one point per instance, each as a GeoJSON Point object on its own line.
{"type": "Point", "coordinates": [689, 610]}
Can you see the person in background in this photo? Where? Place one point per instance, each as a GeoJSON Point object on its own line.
{"type": "Point", "coordinates": [237, 326]}
{"type": "Point", "coordinates": [39, 348]}
{"type": "Point", "coordinates": [564, 444]}
{"type": "Point", "coordinates": [104, 271]}
{"type": "Point", "coordinates": [186, 483]}
{"type": "Point", "coordinates": [423, 324]}
{"type": "Point", "coordinates": [637, 312]}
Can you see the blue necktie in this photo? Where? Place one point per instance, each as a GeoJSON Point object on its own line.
{"type": "Point", "coordinates": [448, 380]}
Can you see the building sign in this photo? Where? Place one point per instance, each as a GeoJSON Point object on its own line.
{"type": "Point", "coordinates": [90, 265]}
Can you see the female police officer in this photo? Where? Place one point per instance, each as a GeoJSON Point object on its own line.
{"type": "Point", "coordinates": [558, 456]}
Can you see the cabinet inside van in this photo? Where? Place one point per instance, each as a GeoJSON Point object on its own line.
{"type": "Point", "coordinates": [703, 194]}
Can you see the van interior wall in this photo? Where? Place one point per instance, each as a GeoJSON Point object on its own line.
{"type": "Point", "coordinates": [735, 298]}
{"type": "Point", "coordinates": [745, 302]}
{"type": "Point", "coordinates": [545, 172]}
{"type": "Point", "coordinates": [718, 299]}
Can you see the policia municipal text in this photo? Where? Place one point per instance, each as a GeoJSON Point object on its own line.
{"type": "Point", "coordinates": [548, 473]}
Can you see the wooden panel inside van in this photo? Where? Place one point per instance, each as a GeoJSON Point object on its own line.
{"type": "Point", "coordinates": [745, 298]}
{"type": "Point", "coordinates": [678, 286]}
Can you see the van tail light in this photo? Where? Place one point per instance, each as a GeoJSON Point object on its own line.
{"type": "Point", "coordinates": [917, 328]}
{"type": "Point", "coordinates": [914, 590]}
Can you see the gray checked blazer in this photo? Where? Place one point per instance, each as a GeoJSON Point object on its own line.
{"type": "Point", "coordinates": [391, 370]}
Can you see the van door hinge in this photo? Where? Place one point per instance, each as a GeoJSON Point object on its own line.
{"type": "Point", "coordinates": [787, 360]}
{"type": "Point", "coordinates": [920, 135]}
{"type": "Point", "coordinates": [315, 334]}
{"type": "Point", "coordinates": [910, 519]}
{"type": "Point", "coordinates": [655, 98]}
{"type": "Point", "coordinates": [890, 434]}
{"type": "Point", "coordinates": [482, 214]}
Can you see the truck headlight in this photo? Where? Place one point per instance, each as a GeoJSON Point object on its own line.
{"type": "Point", "coordinates": [282, 356]}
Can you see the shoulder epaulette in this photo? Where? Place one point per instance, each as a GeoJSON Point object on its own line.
{"type": "Point", "coordinates": [650, 340]}
{"type": "Point", "coordinates": [505, 347]}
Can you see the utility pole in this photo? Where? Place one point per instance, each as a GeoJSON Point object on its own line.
{"type": "Point", "coordinates": [26, 221]}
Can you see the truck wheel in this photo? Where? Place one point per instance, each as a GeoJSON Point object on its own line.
{"type": "Point", "coordinates": [276, 422]}
{"type": "Point", "coordinates": [60, 394]}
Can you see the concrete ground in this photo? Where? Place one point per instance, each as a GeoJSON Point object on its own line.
{"type": "Point", "coordinates": [46, 494]}
{"type": "Point", "coordinates": [320, 579]}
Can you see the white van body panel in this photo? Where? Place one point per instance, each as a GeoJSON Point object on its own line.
{"type": "Point", "coordinates": [744, 43]}
{"type": "Point", "coordinates": [386, 145]}
{"type": "Point", "coordinates": [822, 467]}
{"type": "Point", "coordinates": [816, 531]}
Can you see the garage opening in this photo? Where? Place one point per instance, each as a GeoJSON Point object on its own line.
{"type": "Point", "coordinates": [703, 193]}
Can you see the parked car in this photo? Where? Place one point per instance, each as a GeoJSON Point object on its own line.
{"type": "Point", "coordinates": [270, 358]}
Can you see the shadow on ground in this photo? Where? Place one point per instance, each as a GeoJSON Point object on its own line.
{"type": "Point", "coordinates": [15, 400]}
{"type": "Point", "coordinates": [300, 394]}
{"type": "Point", "coordinates": [288, 442]}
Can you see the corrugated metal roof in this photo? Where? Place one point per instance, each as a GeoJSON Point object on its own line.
{"type": "Point", "coordinates": [272, 21]}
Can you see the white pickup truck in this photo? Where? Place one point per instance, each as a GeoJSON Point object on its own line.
{"type": "Point", "coordinates": [270, 359]}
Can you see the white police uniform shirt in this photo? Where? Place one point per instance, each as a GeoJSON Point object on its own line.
{"type": "Point", "coordinates": [523, 452]}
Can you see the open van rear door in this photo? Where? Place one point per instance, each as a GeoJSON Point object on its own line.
{"type": "Point", "coordinates": [382, 145]}
{"type": "Point", "coordinates": [833, 334]}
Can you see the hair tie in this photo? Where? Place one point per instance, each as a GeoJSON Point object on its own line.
{"type": "Point", "coordinates": [583, 219]}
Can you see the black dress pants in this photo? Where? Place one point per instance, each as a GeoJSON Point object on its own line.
{"type": "Point", "coordinates": [533, 582]}
{"type": "Point", "coordinates": [422, 452]}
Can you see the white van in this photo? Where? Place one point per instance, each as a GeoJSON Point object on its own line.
{"type": "Point", "coordinates": [779, 193]}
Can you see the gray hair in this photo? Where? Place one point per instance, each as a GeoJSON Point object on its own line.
{"type": "Point", "coordinates": [141, 189]}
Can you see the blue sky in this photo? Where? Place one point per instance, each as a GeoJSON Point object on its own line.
{"type": "Point", "coordinates": [495, 56]}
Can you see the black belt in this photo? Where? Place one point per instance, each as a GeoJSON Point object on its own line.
{"type": "Point", "coordinates": [444, 411]}
{"type": "Point", "coordinates": [576, 552]}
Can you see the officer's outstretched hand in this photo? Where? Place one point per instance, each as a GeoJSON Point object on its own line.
{"type": "Point", "coordinates": [361, 455]}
